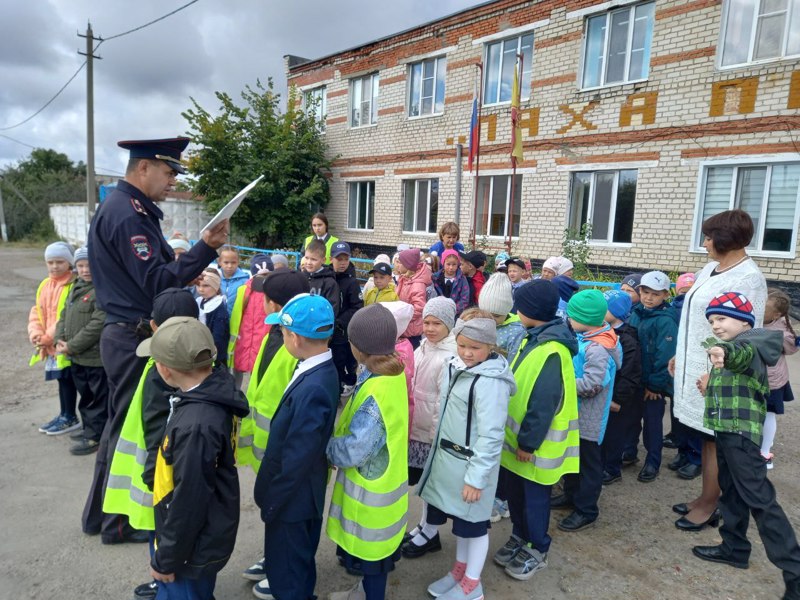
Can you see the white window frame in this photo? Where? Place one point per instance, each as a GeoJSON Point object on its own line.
{"type": "Point", "coordinates": [695, 246]}
{"type": "Point", "coordinates": [370, 184]}
{"type": "Point", "coordinates": [482, 224]}
{"type": "Point", "coordinates": [321, 109]}
{"type": "Point", "coordinates": [439, 63]}
{"type": "Point", "coordinates": [791, 5]}
{"type": "Point", "coordinates": [374, 82]}
{"type": "Point", "coordinates": [525, 90]}
{"type": "Point", "coordinates": [417, 199]}
{"type": "Point", "coordinates": [609, 237]}
{"type": "Point", "coordinates": [631, 8]}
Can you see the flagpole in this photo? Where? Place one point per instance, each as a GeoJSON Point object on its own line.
{"type": "Point", "coordinates": [514, 164]}
{"type": "Point", "coordinates": [474, 224]}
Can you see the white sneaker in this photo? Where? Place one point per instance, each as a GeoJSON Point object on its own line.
{"type": "Point", "coordinates": [256, 572]}
{"type": "Point", "coordinates": [499, 510]}
{"type": "Point", "coordinates": [261, 590]}
{"type": "Point", "coordinates": [442, 586]}
{"type": "Point", "coordinates": [355, 593]}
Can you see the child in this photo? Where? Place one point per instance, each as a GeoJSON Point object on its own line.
{"type": "Point", "coordinates": [233, 277]}
{"type": "Point", "coordinates": [129, 490]}
{"type": "Point", "coordinates": [383, 289]}
{"type": "Point", "coordinates": [51, 297]}
{"type": "Point", "coordinates": [319, 225]}
{"type": "Point", "coordinates": [402, 313]}
{"type": "Point", "coordinates": [320, 276]}
{"type": "Point", "coordinates": [179, 246]}
{"type": "Point", "coordinates": [350, 301]}
{"type": "Point", "coordinates": [683, 284]}
{"type": "Point", "coordinates": [776, 318]}
{"type": "Point", "coordinates": [500, 262]}
{"type": "Point", "coordinates": [496, 299]}
{"type": "Point", "coordinates": [460, 476]}
{"type": "Point", "coordinates": [626, 403]}
{"type": "Point", "coordinates": [213, 312]}
{"type": "Point", "coordinates": [657, 326]}
{"type": "Point", "coordinates": [596, 363]}
{"type": "Point", "coordinates": [438, 345]}
{"type": "Point", "coordinates": [630, 285]}
{"type": "Point", "coordinates": [735, 394]}
{"type": "Point", "coordinates": [541, 434]}
{"type": "Point", "coordinates": [247, 327]}
{"type": "Point", "coordinates": [515, 267]}
{"type": "Point", "coordinates": [369, 449]}
{"type": "Point", "coordinates": [412, 284]}
{"type": "Point", "coordinates": [550, 268]}
{"type": "Point", "coordinates": [370, 284]}
{"type": "Point", "coordinates": [279, 261]}
{"type": "Point", "coordinates": [565, 267]}
{"type": "Point", "coordinates": [290, 489]}
{"type": "Point", "coordinates": [567, 288]}
{"type": "Point", "coordinates": [451, 283]}
{"type": "Point", "coordinates": [472, 265]}
{"type": "Point", "coordinates": [196, 488]}
{"type": "Point", "coordinates": [449, 234]}
{"type": "Point", "coordinates": [78, 336]}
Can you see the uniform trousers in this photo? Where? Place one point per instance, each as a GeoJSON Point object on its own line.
{"type": "Point", "coordinates": [529, 503]}
{"type": "Point", "coordinates": [620, 425]}
{"type": "Point", "coordinates": [345, 362]}
{"type": "Point", "coordinates": [289, 550]}
{"type": "Point", "coordinates": [184, 588]}
{"type": "Point", "coordinates": [583, 489]}
{"type": "Point", "coordinates": [92, 386]}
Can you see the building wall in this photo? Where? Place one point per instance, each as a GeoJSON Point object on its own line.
{"type": "Point", "coordinates": [665, 127]}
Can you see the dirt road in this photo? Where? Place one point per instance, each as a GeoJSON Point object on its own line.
{"type": "Point", "coordinates": [634, 552]}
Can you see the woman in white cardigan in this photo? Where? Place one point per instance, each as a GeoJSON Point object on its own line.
{"type": "Point", "coordinates": [726, 235]}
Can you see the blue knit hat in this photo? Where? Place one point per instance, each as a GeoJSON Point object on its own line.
{"type": "Point", "coordinates": [734, 305]}
{"type": "Point", "coordinates": [619, 304]}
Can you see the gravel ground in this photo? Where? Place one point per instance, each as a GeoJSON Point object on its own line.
{"type": "Point", "coordinates": [633, 552]}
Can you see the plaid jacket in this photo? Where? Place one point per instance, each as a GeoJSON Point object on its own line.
{"type": "Point", "coordinates": [735, 395]}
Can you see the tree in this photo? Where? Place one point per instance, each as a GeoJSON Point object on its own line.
{"type": "Point", "coordinates": [46, 177]}
{"type": "Point", "coordinates": [243, 142]}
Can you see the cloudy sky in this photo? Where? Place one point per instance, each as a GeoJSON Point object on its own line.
{"type": "Point", "coordinates": [145, 80]}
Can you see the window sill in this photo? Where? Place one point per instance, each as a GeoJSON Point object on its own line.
{"type": "Point", "coordinates": [611, 245]}
{"type": "Point", "coordinates": [757, 63]}
{"type": "Point", "coordinates": [355, 127]}
{"type": "Point", "coordinates": [610, 86]}
{"type": "Point", "coordinates": [420, 233]}
{"type": "Point", "coordinates": [504, 103]}
{"type": "Point", "coordinates": [431, 116]}
{"type": "Point", "coordinates": [756, 254]}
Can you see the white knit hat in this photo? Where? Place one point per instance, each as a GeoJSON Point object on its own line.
{"type": "Point", "coordinates": [402, 313]}
{"type": "Point", "coordinates": [496, 295]}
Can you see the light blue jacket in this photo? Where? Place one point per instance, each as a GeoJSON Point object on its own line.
{"type": "Point", "coordinates": [595, 369]}
{"type": "Point", "coordinates": [229, 285]}
{"type": "Point", "coordinates": [445, 474]}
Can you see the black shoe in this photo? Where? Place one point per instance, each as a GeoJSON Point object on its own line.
{"type": "Point", "coordinates": [685, 524]}
{"type": "Point", "coordinates": [668, 442]}
{"type": "Point", "coordinates": [689, 471]}
{"type": "Point", "coordinates": [575, 522]}
{"type": "Point", "coordinates": [715, 554]}
{"type": "Point", "coordinates": [792, 591]}
{"type": "Point", "coordinates": [84, 447]}
{"type": "Point", "coordinates": [628, 460]}
{"type": "Point", "coordinates": [648, 474]}
{"type": "Point", "coordinates": [77, 435]}
{"type": "Point", "coordinates": [609, 478]}
{"type": "Point", "coordinates": [411, 550]}
{"type": "Point", "coordinates": [681, 509]}
{"type": "Point", "coordinates": [679, 461]}
{"type": "Point", "coordinates": [561, 501]}
{"type": "Point", "coordinates": [135, 537]}
{"type": "Point", "coordinates": [408, 535]}
{"type": "Point", "coordinates": [146, 591]}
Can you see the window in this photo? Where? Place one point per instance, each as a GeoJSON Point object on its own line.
{"type": "Point", "coordinates": [316, 102]}
{"type": "Point", "coordinates": [501, 60]}
{"type": "Point", "coordinates": [421, 205]}
{"type": "Point", "coordinates": [495, 208]}
{"type": "Point", "coordinates": [426, 87]}
{"type": "Point", "coordinates": [768, 193]}
{"type": "Point", "coordinates": [755, 30]}
{"type": "Point", "coordinates": [617, 46]}
{"type": "Point", "coordinates": [605, 200]}
{"type": "Point", "coordinates": [364, 101]}
{"type": "Point", "coordinates": [361, 211]}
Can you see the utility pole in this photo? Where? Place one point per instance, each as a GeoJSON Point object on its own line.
{"type": "Point", "coordinates": [91, 192]}
{"type": "Point", "coordinates": [3, 230]}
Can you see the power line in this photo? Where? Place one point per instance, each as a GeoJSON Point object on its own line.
{"type": "Point", "coordinates": [8, 137]}
{"type": "Point", "coordinates": [74, 75]}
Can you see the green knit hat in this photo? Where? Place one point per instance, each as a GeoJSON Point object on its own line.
{"type": "Point", "coordinates": [588, 307]}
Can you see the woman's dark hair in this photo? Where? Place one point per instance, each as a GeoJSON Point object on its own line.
{"type": "Point", "coordinates": [322, 218]}
{"type": "Point", "coordinates": [729, 230]}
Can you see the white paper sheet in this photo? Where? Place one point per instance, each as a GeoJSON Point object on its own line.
{"type": "Point", "coordinates": [227, 211]}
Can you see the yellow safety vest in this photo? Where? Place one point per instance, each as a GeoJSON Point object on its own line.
{"type": "Point", "coordinates": [62, 362]}
{"type": "Point", "coordinates": [328, 245]}
{"type": "Point", "coordinates": [126, 493]}
{"type": "Point", "coordinates": [558, 454]}
{"type": "Point", "coordinates": [263, 395]}
{"type": "Point", "coordinates": [236, 322]}
{"type": "Point", "coordinates": [367, 518]}
{"type": "Point", "coordinates": [511, 319]}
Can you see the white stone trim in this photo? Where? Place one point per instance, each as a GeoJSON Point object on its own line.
{"type": "Point", "coordinates": [313, 86]}
{"type": "Point", "coordinates": [616, 166]}
{"type": "Point", "coordinates": [598, 8]}
{"type": "Point", "coordinates": [433, 54]}
{"type": "Point", "coordinates": [512, 32]}
{"type": "Point", "coordinates": [421, 175]}
{"type": "Point", "coordinates": [740, 159]}
{"type": "Point", "coordinates": [492, 172]}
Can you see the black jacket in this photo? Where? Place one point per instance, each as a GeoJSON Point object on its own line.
{"type": "Point", "coordinates": [196, 491]}
{"type": "Point", "coordinates": [324, 282]}
{"type": "Point", "coordinates": [628, 381]}
{"type": "Point", "coordinates": [350, 299]}
{"type": "Point", "coordinates": [291, 482]}
{"type": "Point", "coordinates": [155, 410]}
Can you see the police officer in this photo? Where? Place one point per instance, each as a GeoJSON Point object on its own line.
{"type": "Point", "coordinates": [131, 263]}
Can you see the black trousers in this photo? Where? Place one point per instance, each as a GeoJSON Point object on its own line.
{"type": "Point", "coordinates": [745, 491]}
{"type": "Point", "coordinates": [289, 550]}
{"type": "Point", "coordinates": [529, 503]}
{"type": "Point", "coordinates": [123, 368]}
{"type": "Point", "coordinates": [618, 432]}
{"type": "Point", "coordinates": [584, 488]}
{"type": "Point", "coordinates": [92, 386]}
{"type": "Point", "coordinates": [345, 363]}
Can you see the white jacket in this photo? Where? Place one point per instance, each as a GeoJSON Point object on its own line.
{"type": "Point", "coordinates": [429, 359]}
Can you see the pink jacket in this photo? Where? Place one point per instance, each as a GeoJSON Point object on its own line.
{"type": "Point", "coordinates": [42, 319]}
{"type": "Point", "coordinates": [252, 330]}
{"type": "Point", "coordinates": [779, 374]}
{"type": "Point", "coordinates": [406, 352]}
{"type": "Point", "coordinates": [413, 290]}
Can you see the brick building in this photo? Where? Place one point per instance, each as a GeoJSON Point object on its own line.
{"type": "Point", "coordinates": [642, 118]}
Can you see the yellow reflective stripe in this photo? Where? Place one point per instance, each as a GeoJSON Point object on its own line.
{"type": "Point", "coordinates": [364, 496]}
{"type": "Point", "coordinates": [363, 533]}
{"type": "Point", "coordinates": [125, 484]}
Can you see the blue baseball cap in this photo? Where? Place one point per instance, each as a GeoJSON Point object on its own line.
{"type": "Point", "coordinates": [340, 248]}
{"type": "Point", "coordinates": [308, 315]}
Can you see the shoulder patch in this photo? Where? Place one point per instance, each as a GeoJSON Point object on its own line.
{"type": "Point", "coordinates": [137, 206]}
{"type": "Point", "coordinates": [141, 247]}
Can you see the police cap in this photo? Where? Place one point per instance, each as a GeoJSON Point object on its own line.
{"type": "Point", "coordinates": [169, 150]}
